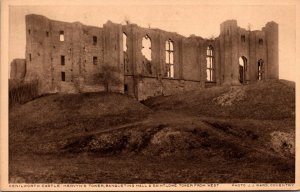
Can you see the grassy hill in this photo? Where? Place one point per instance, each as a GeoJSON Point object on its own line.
{"type": "Point", "coordinates": [63, 115]}
{"type": "Point", "coordinates": [263, 100]}
{"type": "Point", "coordinates": [220, 134]}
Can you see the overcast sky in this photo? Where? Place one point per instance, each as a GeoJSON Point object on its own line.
{"type": "Point", "coordinates": [183, 17]}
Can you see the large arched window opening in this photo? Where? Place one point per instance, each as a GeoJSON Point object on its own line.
{"type": "Point", "coordinates": [242, 69]}
{"type": "Point", "coordinates": [169, 59]}
{"type": "Point", "coordinates": [146, 51]}
{"type": "Point", "coordinates": [125, 55]}
{"type": "Point", "coordinates": [146, 47]}
{"type": "Point", "coordinates": [124, 42]}
{"type": "Point", "coordinates": [260, 69]}
{"type": "Point", "coordinates": [210, 66]}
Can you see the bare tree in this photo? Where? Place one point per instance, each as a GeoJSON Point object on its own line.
{"type": "Point", "coordinates": [108, 76]}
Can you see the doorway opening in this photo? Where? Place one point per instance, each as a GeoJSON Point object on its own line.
{"type": "Point", "coordinates": [260, 69]}
{"type": "Point", "coordinates": [242, 69]}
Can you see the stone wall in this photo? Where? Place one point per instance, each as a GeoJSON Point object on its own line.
{"type": "Point", "coordinates": [18, 69]}
{"type": "Point", "coordinates": [80, 55]}
{"type": "Point", "coordinates": [149, 87]}
{"type": "Point", "coordinates": [236, 42]}
{"type": "Point", "coordinates": [142, 81]}
{"type": "Point", "coordinates": [271, 34]}
{"type": "Point", "coordinates": [72, 65]}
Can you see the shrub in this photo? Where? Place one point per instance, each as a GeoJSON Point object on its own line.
{"type": "Point", "coordinates": [108, 76]}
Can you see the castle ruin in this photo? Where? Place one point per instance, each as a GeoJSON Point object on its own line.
{"type": "Point", "coordinates": [66, 57]}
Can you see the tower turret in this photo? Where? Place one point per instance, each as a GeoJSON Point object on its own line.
{"type": "Point", "coordinates": [271, 31]}
{"type": "Point", "coordinates": [229, 52]}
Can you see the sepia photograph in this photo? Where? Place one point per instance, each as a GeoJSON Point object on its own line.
{"type": "Point", "coordinates": [167, 93]}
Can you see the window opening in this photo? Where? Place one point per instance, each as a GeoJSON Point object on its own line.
{"type": "Point", "coordinates": [63, 76]}
{"type": "Point", "coordinates": [210, 67]}
{"type": "Point", "coordinates": [146, 51]}
{"type": "Point", "coordinates": [170, 58]}
{"type": "Point", "coordinates": [95, 60]}
{"type": "Point", "coordinates": [243, 38]}
{"type": "Point", "coordinates": [61, 35]}
{"type": "Point", "coordinates": [62, 60]}
{"type": "Point", "coordinates": [94, 40]}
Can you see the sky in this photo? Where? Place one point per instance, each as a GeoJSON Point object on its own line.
{"type": "Point", "coordinates": [200, 18]}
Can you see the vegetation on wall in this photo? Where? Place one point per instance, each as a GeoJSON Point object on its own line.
{"type": "Point", "coordinates": [109, 76]}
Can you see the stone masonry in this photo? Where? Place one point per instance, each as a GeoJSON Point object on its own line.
{"type": "Point", "coordinates": [65, 57]}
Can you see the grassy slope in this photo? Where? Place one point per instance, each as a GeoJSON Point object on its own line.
{"type": "Point", "coordinates": [262, 100]}
{"type": "Point", "coordinates": [200, 136]}
{"type": "Point", "coordinates": [61, 116]}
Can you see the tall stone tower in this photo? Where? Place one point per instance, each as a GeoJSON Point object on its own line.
{"type": "Point", "coordinates": [248, 56]}
{"type": "Point", "coordinates": [271, 31]}
{"type": "Point", "coordinates": [229, 52]}
{"type": "Point", "coordinates": [37, 57]}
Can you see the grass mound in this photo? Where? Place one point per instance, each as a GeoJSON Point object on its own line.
{"type": "Point", "coordinates": [55, 117]}
{"type": "Point", "coordinates": [273, 99]}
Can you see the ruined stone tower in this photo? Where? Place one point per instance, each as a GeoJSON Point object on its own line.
{"type": "Point", "coordinates": [65, 57]}
{"type": "Point", "coordinates": [247, 56]}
